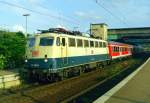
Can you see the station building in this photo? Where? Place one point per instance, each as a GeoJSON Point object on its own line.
{"type": "Point", "coordinates": [139, 36]}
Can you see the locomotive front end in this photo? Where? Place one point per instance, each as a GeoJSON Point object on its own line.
{"type": "Point", "coordinates": [39, 54]}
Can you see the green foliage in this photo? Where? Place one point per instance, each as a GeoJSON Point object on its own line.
{"type": "Point", "coordinates": [2, 61]}
{"type": "Point", "coordinates": [12, 47]}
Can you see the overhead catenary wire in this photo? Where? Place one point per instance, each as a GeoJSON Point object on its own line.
{"type": "Point", "coordinates": [37, 12]}
{"type": "Point", "coordinates": [99, 4]}
{"type": "Point", "coordinates": [67, 17]}
{"type": "Point", "coordinates": [120, 13]}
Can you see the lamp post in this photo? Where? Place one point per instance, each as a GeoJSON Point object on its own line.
{"type": "Point", "coordinates": [26, 15]}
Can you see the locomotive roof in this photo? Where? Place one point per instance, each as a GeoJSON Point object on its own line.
{"type": "Point", "coordinates": [71, 36]}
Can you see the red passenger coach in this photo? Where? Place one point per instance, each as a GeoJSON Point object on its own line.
{"type": "Point", "coordinates": [119, 50]}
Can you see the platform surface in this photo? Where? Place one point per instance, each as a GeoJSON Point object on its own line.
{"type": "Point", "coordinates": [8, 72]}
{"type": "Point", "coordinates": [136, 90]}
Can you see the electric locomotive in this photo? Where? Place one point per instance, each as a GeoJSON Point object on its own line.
{"type": "Point", "coordinates": [57, 53]}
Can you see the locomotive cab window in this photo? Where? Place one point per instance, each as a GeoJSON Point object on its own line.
{"type": "Point", "coordinates": [31, 42]}
{"type": "Point", "coordinates": [46, 41]}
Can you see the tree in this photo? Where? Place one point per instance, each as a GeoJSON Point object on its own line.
{"type": "Point", "coordinates": [12, 47]}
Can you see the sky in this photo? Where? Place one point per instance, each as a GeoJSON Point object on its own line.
{"type": "Point", "coordinates": [73, 14]}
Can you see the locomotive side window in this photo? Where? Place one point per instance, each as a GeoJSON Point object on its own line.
{"type": "Point", "coordinates": [63, 42]}
{"type": "Point", "coordinates": [71, 42]}
{"type": "Point", "coordinates": [91, 44]}
{"type": "Point", "coordinates": [58, 41]}
{"type": "Point", "coordinates": [31, 42]}
{"type": "Point", "coordinates": [86, 43]}
{"type": "Point", "coordinates": [79, 43]}
{"type": "Point", "coordinates": [45, 41]}
{"type": "Point", "coordinates": [104, 44]}
{"type": "Point", "coordinates": [96, 44]}
{"type": "Point", "coordinates": [100, 44]}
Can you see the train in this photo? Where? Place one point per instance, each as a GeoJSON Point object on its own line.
{"type": "Point", "coordinates": [56, 54]}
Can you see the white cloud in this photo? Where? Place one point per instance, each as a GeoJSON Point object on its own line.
{"type": "Point", "coordinates": [17, 28]}
{"type": "Point", "coordinates": [87, 15]}
{"type": "Point", "coordinates": [79, 13]}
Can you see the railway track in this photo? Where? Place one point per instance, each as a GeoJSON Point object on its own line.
{"type": "Point", "coordinates": [92, 93]}
{"type": "Point", "coordinates": [67, 90]}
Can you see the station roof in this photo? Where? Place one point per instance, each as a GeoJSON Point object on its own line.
{"type": "Point", "coordinates": [136, 30]}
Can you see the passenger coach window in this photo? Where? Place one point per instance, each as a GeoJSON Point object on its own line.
{"type": "Point", "coordinates": [79, 43]}
{"type": "Point", "coordinates": [45, 41]}
{"type": "Point", "coordinates": [72, 42]}
{"type": "Point", "coordinates": [63, 42]}
{"type": "Point", "coordinates": [91, 44]}
{"type": "Point", "coordinates": [114, 49]}
{"type": "Point", "coordinates": [86, 43]}
{"type": "Point", "coordinates": [58, 41]}
{"type": "Point", "coordinates": [96, 44]}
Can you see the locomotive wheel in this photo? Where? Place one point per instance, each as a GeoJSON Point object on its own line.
{"type": "Point", "coordinates": [86, 68]}
{"type": "Point", "coordinates": [32, 77]}
{"type": "Point", "coordinates": [108, 62]}
{"type": "Point", "coordinates": [42, 78]}
{"type": "Point", "coordinates": [97, 65]}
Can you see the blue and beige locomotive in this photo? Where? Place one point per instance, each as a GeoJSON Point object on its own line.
{"type": "Point", "coordinates": [57, 53]}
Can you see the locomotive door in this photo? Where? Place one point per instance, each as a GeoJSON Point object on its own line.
{"type": "Point", "coordinates": [64, 55]}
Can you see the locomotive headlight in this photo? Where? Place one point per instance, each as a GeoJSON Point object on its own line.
{"type": "Point", "coordinates": [26, 60]}
{"type": "Point", "coordinates": [45, 60]}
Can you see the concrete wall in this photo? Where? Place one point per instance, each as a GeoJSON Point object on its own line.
{"type": "Point", "coordinates": [99, 31]}
{"type": "Point", "coordinates": [8, 81]}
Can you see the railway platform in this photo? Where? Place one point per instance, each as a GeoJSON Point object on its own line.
{"type": "Point", "coordinates": [8, 72]}
{"type": "Point", "coordinates": [133, 89]}
{"type": "Point", "coordinates": [9, 78]}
